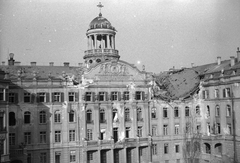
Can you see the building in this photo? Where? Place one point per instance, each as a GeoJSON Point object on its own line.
{"type": "Point", "coordinates": [107, 110]}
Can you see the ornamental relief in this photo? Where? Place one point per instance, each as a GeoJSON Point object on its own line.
{"type": "Point", "coordinates": [109, 69]}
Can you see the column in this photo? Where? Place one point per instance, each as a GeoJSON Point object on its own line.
{"type": "Point", "coordinates": [113, 41]}
{"type": "Point", "coordinates": [108, 41]}
{"type": "Point", "coordinates": [98, 156]}
{"type": "Point", "coordinates": [95, 41]}
{"type": "Point", "coordinates": [112, 155]}
{"type": "Point", "coordinates": [88, 38]}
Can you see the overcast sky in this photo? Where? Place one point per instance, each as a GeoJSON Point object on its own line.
{"type": "Point", "coordinates": [158, 33]}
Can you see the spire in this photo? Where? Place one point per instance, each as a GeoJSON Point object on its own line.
{"type": "Point", "coordinates": [100, 6]}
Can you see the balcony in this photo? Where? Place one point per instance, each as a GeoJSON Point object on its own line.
{"type": "Point", "coordinates": [3, 129]}
{"type": "Point", "coordinates": [98, 52]}
{"type": "Point", "coordinates": [4, 158]}
{"type": "Point", "coordinates": [89, 121]}
{"type": "Point", "coordinates": [103, 121]}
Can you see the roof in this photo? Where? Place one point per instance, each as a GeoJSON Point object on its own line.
{"type": "Point", "coordinates": [100, 22]}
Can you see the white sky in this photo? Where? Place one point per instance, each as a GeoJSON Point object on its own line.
{"type": "Point", "coordinates": [158, 33]}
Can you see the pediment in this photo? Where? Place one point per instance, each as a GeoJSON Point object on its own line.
{"type": "Point", "coordinates": [114, 70]}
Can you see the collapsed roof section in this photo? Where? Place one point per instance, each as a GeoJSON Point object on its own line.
{"type": "Point", "coordinates": [177, 84]}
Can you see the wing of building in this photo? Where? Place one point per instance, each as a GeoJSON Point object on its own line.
{"type": "Point", "coordinates": [107, 110]}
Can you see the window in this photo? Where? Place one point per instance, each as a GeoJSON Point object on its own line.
{"type": "Point", "coordinates": [207, 148]}
{"type": "Point", "coordinates": [116, 156]}
{"type": "Point", "coordinates": [89, 96]}
{"type": "Point", "coordinates": [177, 148]}
{"type": "Point", "coordinates": [165, 129]}
{"type": "Point", "coordinates": [42, 97]}
{"type": "Point", "coordinates": [2, 126]}
{"type": "Point", "coordinates": [208, 128]}
{"type": "Point", "coordinates": [165, 148]}
{"type": "Point", "coordinates": [43, 157]}
{"type": "Point", "coordinates": [27, 97]}
{"type": "Point", "coordinates": [154, 149]}
{"type": "Point", "coordinates": [188, 127]}
{"type": "Point", "coordinates": [229, 129]}
{"type": "Point", "coordinates": [57, 157]}
{"type": "Point", "coordinates": [89, 134]}
{"type": "Point", "coordinates": [127, 114]}
{"type": "Point", "coordinates": [218, 128]}
{"type": "Point", "coordinates": [42, 117]}
{"type": "Point", "coordinates": [126, 96]}
{"type": "Point", "coordinates": [205, 94]}
{"type": "Point", "coordinates": [114, 96]}
{"type": "Point", "coordinates": [27, 137]}
{"type": "Point", "coordinates": [12, 119]}
{"type": "Point", "coordinates": [43, 137]}
{"type": "Point", "coordinates": [198, 128]}
{"type": "Point", "coordinates": [102, 116]}
{"type": "Point", "coordinates": [57, 136]}
{"type": "Point", "coordinates": [71, 135]}
{"type": "Point", "coordinates": [198, 110]}
{"type": "Point", "coordinates": [71, 116]}
{"type": "Point", "coordinates": [176, 129]}
{"type": "Point", "coordinates": [187, 111]}
{"type": "Point", "coordinates": [139, 131]}
{"type": "Point", "coordinates": [72, 156]}
{"type": "Point", "coordinates": [2, 94]}
{"type": "Point", "coordinates": [27, 117]}
{"type": "Point", "coordinates": [102, 96]}
{"type": "Point", "coordinates": [217, 114]}
{"type": "Point", "coordinates": [226, 93]}
{"type": "Point", "coordinates": [115, 115]}
{"type": "Point", "coordinates": [12, 97]}
{"type": "Point", "coordinates": [139, 114]}
{"type": "Point", "coordinates": [228, 111]}
{"type": "Point", "coordinates": [154, 113]}
{"type": "Point", "coordinates": [129, 155]}
{"type": "Point", "coordinates": [89, 116]}
{"type": "Point", "coordinates": [12, 139]}
{"type": "Point", "coordinates": [165, 115]}
{"type": "Point", "coordinates": [56, 97]}
{"type": "Point", "coordinates": [115, 134]}
{"type": "Point", "coordinates": [216, 93]}
{"type": "Point", "coordinates": [128, 129]}
{"type": "Point", "coordinates": [29, 158]}
{"type": "Point", "coordinates": [176, 112]}
{"type": "Point", "coordinates": [89, 156]}
{"type": "Point", "coordinates": [208, 111]}
{"type": "Point", "coordinates": [72, 96]}
{"type": "Point", "coordinates": [139, 95]}
{"type": "Point", "coordinates": [154, 130]}
{"type": "Point", "coordinates": [57, 116]}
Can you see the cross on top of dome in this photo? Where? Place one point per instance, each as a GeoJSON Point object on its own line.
{"type": "Point", "coordinates": [100, 6]}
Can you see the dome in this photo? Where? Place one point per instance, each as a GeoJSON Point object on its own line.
{"type": "Point", "coordinates": [100, 22]}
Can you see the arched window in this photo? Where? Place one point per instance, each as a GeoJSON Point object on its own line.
{"type": "Point", "coordinates": [218, 148]}
{"type": "Point", "coordinates": [89, 116]}
{"type": "Point", "coordinates": [12, 119]}
{"type": "Point", "coordinates": [27, 117]}
{"type": "Point", "coordinates": [197, 147]}
{"type": "Point", "coordinates": [139, 114]}
{"type": "Point", "coordinates": [154, 112]}
{"type": "Point", "coordinates": [127, 114]}
{"type": "Point", "coordinates": [228, 111]}
{"type": "Point", "coordinates": [42, 117]}
{"type": "Point", "coordinates": [71, 116]}
{"type": "Point", "coordinates": [208, 111]}
{"type": "Point", "coordinates": [102, 116]}
{"type": "Point", "coordinates": [57, 116]}
{"type": "Point", "coordinates": [207, 148]}
{"type": "Point", "coordinates": [217, 111]}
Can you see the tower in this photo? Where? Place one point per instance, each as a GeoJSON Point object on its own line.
{"type": "Point", "coordinates": [101, 41]}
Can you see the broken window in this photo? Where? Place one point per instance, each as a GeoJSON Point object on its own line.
{"type": "Point", "coordinates": [218, 128]}
{"type": "Point", "coordinates": [127, 114]}
{"type": "Point", "coordinates": [165, 115]}
{"type": "Point", "coordinates": [217, 114]}
{"type": "Point", "coordinates": [89, 116]}
{"type": "Point", "coordinates": [208, 111]}
{"type": "Point", "coordinates": [115, 115]}
{"type": "Point", "coordinates": [198, 110]}
{"type": "Point", "coordinates": [154, 113]}
{"type": "Point", "coordinates": [72, 96]}
{"type": "Point", "coordinates": [71, 116]}
{"type": "Point", "coordinates": [229, 129]}
{"type": "Point", "coordinates": [165, 148]}
{"type": "Point", "coordinates": [208, 128]}
{"type": "Point", "coordinates": [57, 97]}
{"type": "Point", "coordinates": [103, 134]}
{"type": "Point", "coordinates": [176, 112]}
{"type": "Point", "coordinates": [216, 93]}
{"type": "Point", "coordinates": [139, 114]}
{"type": "Point", "coordinates": [126, 96]}
{"type": "Point", "coordinates": [115, 134]}
{"type": "Point", "coordinates": [228, 111]}
{"type": "Point", "coordinates": [102, 116]}
{"type": "Point", "coordinates": [43, 97]}
{"type": "Point", "coordinates": [139, 131]}
{"type": "Point", "coordinates": [128, 129]}
{"type": "Point", "coordinates": [205, 94]}
{"type": "Point", "coordinates": [154, 130]}
{"type": "Point", "coordinates": [165, 129]}
{"type": "Point", "coordinates": [177, 148]}
{"type": "Point", "coordinates": [12, 119]}
{"type": "Point", "coordinates": [2, 94]}
{"type": "Point", "coordinates": [139, 95]}
{"type": "Point", "coordinates": [198, 128]}
{"type": "Point", "coordinates": [27, 117]}
{"type": "Point", "coordinates": [2, 128]}
{"type": "Point", "coordinates": [226, 93]}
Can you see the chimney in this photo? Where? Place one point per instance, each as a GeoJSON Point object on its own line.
{"type": "Point", "coordinates": [11, 60]}
{"type": "Point", "coordinates": [3, 62]}
{"type": "Point", "coordinates": [218, 60]}
{"type": "Point", "coordinates": [51, 63]}
{"type": "Point", "coordinates": [66, 64]}
{"type": "Point", "coordinates": [232, 61]}
{"type": "Point", "coordinates": [17, 63]}
{"type": "Point", "coordinates": [238, 55]}
{"type": "Point", "coordinates": [33, 63]}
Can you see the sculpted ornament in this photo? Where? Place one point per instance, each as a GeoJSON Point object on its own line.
{"type": "Point", "coordinates": [113, 69]}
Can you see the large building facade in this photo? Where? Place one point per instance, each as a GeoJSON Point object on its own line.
{"type": "Point", "coordinates": [107, 110]}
